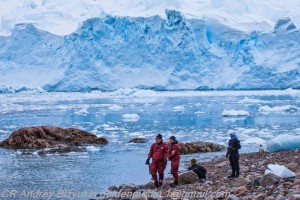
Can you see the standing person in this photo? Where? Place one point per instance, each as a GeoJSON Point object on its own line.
{"type": "Point", "coordinates": [233, 154]}
{"type": "Point", "coordinates": [159, 153]}
{"type": "Point", "coordinates": [174, 157]}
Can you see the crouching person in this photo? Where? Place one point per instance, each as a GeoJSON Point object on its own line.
{"type": "Point", "coordinates": [159, 154]}
{"type": "Point", "coordinates": [174, 157]}
{"type": "Point", "coordinates": [198, 169]}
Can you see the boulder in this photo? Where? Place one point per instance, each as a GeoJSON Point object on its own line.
{"type": "Point", "coordinates": [240, 190]}
{"type": "Point", "coordinates": [199, 147]}
{"type": "Point", "coordinates": [292, 165]}
{"type": "Point", "coordinates": [237, 182]}
{"type": "Point", "coordinates": [269, 179]}
{"type": "Point", "coordinates": [49, 136]}
{"type": "Point", "coordinates": [187, 177]}
{"type": "Point", "coordinates": [138, 140]}
{"type": "Point", "coordinates": [113, 188]}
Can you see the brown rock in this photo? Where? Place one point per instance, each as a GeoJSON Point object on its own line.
{"type": "Point", "coordinates": [269, 179]}
{"type": "Point", "coordinates": [292, 166]}
{"type": "Point", "coordinates": [188, 177]}
{"type": "Point", "coordinates": [237, 182]}
{"type": "Point", "coordinates": [138, 140]}
{"type": "Point", "coordinates": [270, 198]}
{"type": "Point", "coordinates": [240, 190]}
{"type": "Point", "coordinates": [259, 197]}
{"type": "Point", "coordinates": [198, 147]}
{"type": "Point", "coordinates": [49, 136]}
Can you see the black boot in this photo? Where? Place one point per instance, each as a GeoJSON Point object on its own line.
{"type": "Point", "coordinates": [156, 184]}
{"type": "Point", "coordinates": [161, 179]}
{"type": "Point", "coordinates": [175, 184]}
{"type": "Point", "coordinates": [154, 177]}
{"type": "Point", "coordinates": [232, 175]}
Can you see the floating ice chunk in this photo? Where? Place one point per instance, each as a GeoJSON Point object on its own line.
{"type": "Point", "coordinates": [92, 148]}
{"type": "Point", "coordinates": [199, 113]}
{"type": "Point", "coordinates": [280, 171]}
{"type": "Point", "coordinates": [236, 113]}
{"type": "Point", "coordinates": [178, 108]}
{"type": "Point", "coordinates": [83, 111]}
{"type": "Point", "coordinates": [130, 117]}
{"type": "Point", "coordinates": [247, 100]}
{"type": "Point", "coordinates": [256, 140]}
{"type": "Point", "coordinates": [105, 125]}
{"type": "Point", "coordinates": [284, 142]}
{"type": "Point", "coordinates": [286, 108]}
{"type": "Point", "coordinates": [115, 107]}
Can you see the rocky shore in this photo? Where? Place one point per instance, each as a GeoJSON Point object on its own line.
{"type": "Point", "coordinates": [252, 184]}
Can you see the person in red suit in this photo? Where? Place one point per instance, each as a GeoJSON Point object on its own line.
{"type": "Point", "coordinates": [159, 153]}
{"type": "Point", "coordinates": [174, 157]}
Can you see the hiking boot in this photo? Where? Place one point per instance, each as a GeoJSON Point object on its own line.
{"type": "Point", "coordinates": [231, 176]}
{"type": "Point", "coordinates": [173, 185]}
{"type": "Point", "coordinates": [160, 184]}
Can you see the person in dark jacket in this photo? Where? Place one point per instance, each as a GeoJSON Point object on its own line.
{"type": "Point", "coordinates": [233, 154]}
{"type": "Point", "coordinates": [174, 157]}
{"type": "Point", "coordinates": [159, 153]}
{"type": "Point", "coordinates": [198, 169]}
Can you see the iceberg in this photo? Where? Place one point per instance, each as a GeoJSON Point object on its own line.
{"type": "Point", "coordinates": [284, 142]}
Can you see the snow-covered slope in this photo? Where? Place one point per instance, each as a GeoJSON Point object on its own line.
{"type": "Point", "coordinates": [63, 17]}
{"type": "Point", "coordinates": [173, 52]}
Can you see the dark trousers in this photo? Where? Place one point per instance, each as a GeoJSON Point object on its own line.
{"type": "Point", "coordinates": [234, 163]}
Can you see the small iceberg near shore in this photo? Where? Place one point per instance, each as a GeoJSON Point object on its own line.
{"type": "Point", "coordinates": [284, 142]}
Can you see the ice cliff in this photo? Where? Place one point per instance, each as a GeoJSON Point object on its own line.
{"type": "Point", "coordinates": [176, 53]}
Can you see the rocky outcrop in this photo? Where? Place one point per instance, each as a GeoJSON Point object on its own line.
{"type": "Point", "coordinates": [199, 147]}
{"type": "Point", "coordinates": [138, 140]}
{"type": "Point", "coordinates": [48, 136]}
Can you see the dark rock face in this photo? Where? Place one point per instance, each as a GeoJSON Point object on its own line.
{"type": "Point", "coordinates": [138, 140]}
{"type": "Point", "coordinates": [48, 136]}
{"type": "Point", "coordinates": [198, 147]}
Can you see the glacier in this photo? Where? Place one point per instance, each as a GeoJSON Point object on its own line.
{"type": "Point", "coordinates": [171, 53]}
